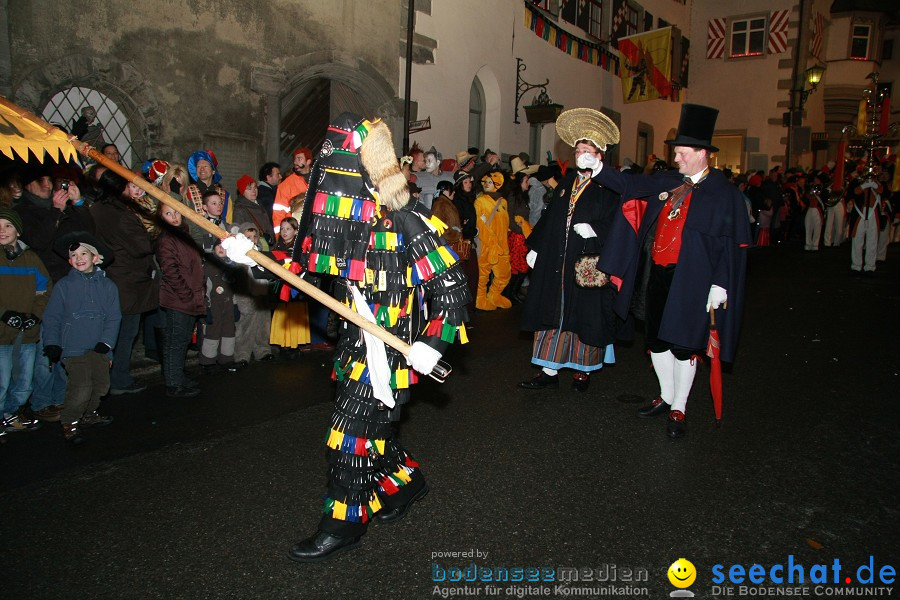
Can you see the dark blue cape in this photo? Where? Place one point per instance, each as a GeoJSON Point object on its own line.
{"type": "Point", "coordinates": [714, 246]}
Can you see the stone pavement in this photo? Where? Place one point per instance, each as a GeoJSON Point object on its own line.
{"type": "Point", "coordinates": [202, 498]}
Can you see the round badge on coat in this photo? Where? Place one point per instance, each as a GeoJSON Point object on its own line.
{"type": "Point", "coordinates": [663, 196]}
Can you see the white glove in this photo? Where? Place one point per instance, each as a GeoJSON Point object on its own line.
{"type": "Point", "coordinates": [236, 248]}
{"type": "Point", "coordinates": [589, 161]}
{"type": "Point", "coordinates": [584, 230]}
{"type": "Point", "coordinates": [531, 258]}
{"type": "Point", "coordinates": [869, 184]}
{"type": "Point", "coordinates": [423, 358]}
{"type": "Point", "coordinates": [717, 297]}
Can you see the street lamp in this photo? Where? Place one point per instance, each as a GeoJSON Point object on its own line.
{"type": "Point", "coordinates": [813, 77]}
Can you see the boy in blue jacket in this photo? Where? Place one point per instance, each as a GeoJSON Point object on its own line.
{"type": "Point", "coordinates": [81, 324]}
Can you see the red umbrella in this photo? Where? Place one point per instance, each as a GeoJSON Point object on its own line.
{"type": "Point", "coordinates": [715, 366]}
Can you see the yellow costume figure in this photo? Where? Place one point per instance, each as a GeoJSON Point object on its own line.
{"type": "Point", "coordinates": [493, 257]}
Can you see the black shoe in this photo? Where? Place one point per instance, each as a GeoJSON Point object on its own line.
{"type": "Point", "coordinates": [541, 381]}
{"type": "Point", "coordinates": [654, 409]}
{"type": "Point", "coordinates": [395, 514]}
{"type": "Point", "coordinates": [321, 546]}
{"type": "Point", "coordinates": [581, 381]}
{"type": "Point", "coordinates": [676, 427]}
{"type": "Point", "coordinates": [233, 367]}
{"type": "Point", "coordinates": [182, 392]}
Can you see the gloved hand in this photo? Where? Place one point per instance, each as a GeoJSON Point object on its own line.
{"type": "Point", "coordinates": [584, 229]}
{"type": "Point", "coordinates": [423, 357]}
{"type": "Point", "coordinates": [236, 248]}
{"type": "Point", "coordinates": [531, 258]}
{"type": "Point", "coordinates": [589, 161]}
{"type": "Point", "coordinates": [101, 348]}
{"type": "Point", "coordinates": [869, 184]}
{"type": "Point", "coordinates": [53, 353]}
{"type": "Point", "coordinates": [30, 320]}
{"type": "Point", "coordinates": [717, 297]}
{"type": "Point", "coordinates": [13, 319]}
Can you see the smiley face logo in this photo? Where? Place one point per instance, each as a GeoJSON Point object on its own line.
{"type": "Point", "coordinates": [682, 573]}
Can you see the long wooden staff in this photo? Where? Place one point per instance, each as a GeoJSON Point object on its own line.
{"type": "Point", "coordinates": [441, 371]}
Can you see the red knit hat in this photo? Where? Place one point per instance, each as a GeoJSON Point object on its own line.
{"type": "Point", "coordinates": [243, 182]}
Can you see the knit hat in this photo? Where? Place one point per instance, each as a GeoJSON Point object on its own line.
{"type": "Point", "coordinates": [33, 173]}
{"type": "Point", "coordinates": [13, 217]}
{"type": "Point", "coordinates": [243, 182]}
{"type": "Point", "coordinates": [587, 124]}
{"type": "Point", "coordinates": [496, 177]}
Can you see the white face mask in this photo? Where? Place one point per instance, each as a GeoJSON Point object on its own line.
{"type": "Point", "coordinates": [585, 161]}
{"type": "Point", "coordinates": [430, 162]}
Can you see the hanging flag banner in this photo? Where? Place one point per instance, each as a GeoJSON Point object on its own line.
{"type": "Point", "coordinates": [646, 60]}
{"type": "Point", "coordinates": [571, 45]}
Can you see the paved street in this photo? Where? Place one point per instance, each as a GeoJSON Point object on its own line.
{"type": "Point", "coordinates": [202, 498]}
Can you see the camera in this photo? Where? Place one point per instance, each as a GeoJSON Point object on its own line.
{"type": "Point", "coordinates": [64, 185]}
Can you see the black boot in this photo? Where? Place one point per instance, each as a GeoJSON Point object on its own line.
{"type": "Point", "coordinates": [395, 514]}
{"type": "Point", "coordinates": [321, 546]}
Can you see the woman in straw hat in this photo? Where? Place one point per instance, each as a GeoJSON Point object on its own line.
{"type": "Point", "coordinates": [574, 327]}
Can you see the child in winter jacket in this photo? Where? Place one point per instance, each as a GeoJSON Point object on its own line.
{"type": "Point", "coordinates": [81, 325]}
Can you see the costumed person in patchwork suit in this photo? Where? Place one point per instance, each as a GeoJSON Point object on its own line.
{"type": "Point", "coordinates": [574, 327]}
{"type": "Point", "coordinates": [393, 269]}
{"type": "Point", "coordinates": [699, 229]}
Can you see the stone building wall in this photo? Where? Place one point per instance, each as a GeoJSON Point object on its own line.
{"type": "Point", "coordinates": [196, 72]}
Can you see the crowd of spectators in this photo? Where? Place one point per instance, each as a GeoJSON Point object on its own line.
{"type": "Point", "coordinates": [176, 289]}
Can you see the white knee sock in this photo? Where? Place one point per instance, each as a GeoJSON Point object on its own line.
{"type": "Point", "coordinates": [549, 371]}
{"type": "Point", "coordinates": [684, 379]}
{"type": "Point", "coordinates": [664, 365]}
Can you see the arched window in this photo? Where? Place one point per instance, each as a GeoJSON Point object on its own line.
{"type": "Point", "coordinates": [476, 115]}
{"type": "Point", "coordinates": [65, 108]}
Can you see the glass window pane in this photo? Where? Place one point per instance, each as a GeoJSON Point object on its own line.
{"type": "Point", "coordinates": [757, 39]}
{"type": "Point", "coordinates": [739, 26]}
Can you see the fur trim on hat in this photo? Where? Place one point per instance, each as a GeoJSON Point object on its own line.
{"type": "Point", "coordinates": [380, 162]}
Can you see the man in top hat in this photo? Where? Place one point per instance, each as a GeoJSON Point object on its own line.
{"type": "Point", "coordinates": [574, 327]}
{"type": "Point", "coordinates": [700, 233]}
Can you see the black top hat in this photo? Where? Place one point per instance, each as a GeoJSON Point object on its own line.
{"type": "Point", "coordinates": [65, 243]}
{"type": "Point", "coordinates": [696, 127]}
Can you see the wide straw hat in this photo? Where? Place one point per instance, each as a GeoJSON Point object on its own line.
{"type": "Point", "coordinates": [516, 165]}
{"type": "Point", "coordinates": [586, 124]}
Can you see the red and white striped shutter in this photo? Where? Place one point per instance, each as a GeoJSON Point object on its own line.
{"type": "Point", "coordinates": [818, 34]}
{"type": "Point", "coordinates": [778, 31]}
{"type": "Point", "coordinates": [715, 38]}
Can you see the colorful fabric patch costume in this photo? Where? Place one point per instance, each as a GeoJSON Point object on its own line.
{"type": "Point", "coordinates": [356, 225]}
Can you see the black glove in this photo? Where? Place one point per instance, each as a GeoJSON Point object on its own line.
{"type": "Point", "coordinates": [13, 319]}
{"type": "Point", "coordinates": [53, 353]}
{"type": "Point", "coordinates": [30, 321]}
{"type": "Point", "coordinates": [101, 348]}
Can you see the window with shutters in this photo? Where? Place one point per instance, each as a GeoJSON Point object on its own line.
{"type": "Point", "coordinates": [748, 36]}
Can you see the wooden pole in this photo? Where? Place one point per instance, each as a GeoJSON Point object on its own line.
{"type": "Point", "coordinates": [198, 220]}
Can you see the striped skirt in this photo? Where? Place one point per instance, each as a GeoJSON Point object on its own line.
{"type": "Point", "coordinates": [557, 349]}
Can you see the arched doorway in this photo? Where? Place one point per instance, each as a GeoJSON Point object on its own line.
{"type": "Point", "coordinates": [322, 91]}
